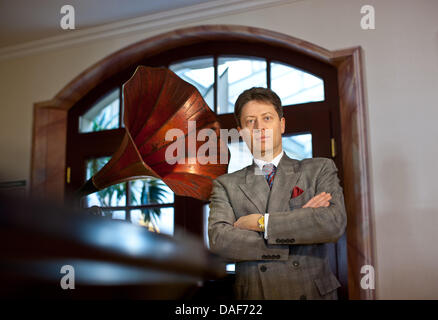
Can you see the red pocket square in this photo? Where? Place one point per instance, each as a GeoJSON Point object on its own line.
{"type": "Point", "coordinates": [296, 192]}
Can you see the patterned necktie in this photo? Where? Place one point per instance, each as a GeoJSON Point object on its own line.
{"type": "Point", "coordinates": [269, 172]}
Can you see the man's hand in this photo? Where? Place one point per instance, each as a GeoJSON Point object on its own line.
{"type": "Point", "coordinates": [248, 222]}
{"type": "Point", "coordinates": [320, 200]}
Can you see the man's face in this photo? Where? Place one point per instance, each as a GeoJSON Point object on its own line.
{"type": "Point", "coordinates": [261, 129]}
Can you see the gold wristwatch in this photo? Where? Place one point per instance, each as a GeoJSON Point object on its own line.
{"type": "Point", "coordinates": [261, 222]}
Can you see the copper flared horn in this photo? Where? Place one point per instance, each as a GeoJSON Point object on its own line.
{"type": "Point", "coordinates": [157, 102]}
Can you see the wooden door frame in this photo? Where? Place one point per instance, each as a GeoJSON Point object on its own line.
{"type": "Point", "coordinates": [48, 162]}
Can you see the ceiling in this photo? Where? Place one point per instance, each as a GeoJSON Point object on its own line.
{"type": "Point", "coordinates": [23, 20]}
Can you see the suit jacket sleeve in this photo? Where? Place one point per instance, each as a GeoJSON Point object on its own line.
{"type": "Point", "coordinates": [233, 243]}
{"type": "Point", "coordinates": [312, 225]}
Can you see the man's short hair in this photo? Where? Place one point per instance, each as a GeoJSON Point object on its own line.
{"type": "Point", "coordinates": [257, 94]}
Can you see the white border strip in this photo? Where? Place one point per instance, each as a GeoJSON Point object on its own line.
{"type": "Point", "coordinates": [145, 23]}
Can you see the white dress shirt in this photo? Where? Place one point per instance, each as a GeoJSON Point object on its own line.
{"type": "Point", "coordinates": [260, 163]}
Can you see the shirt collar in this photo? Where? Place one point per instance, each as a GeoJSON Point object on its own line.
{"type": "Point", "coordinates": [260, 163]}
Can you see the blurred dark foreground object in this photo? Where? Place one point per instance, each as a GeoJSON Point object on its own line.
{"type": "Point", "coordinates": [111, 259]}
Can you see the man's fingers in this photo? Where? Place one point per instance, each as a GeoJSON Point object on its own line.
{"type": "Point", "coordinates": [325, 204]}
{"type": "Point", "coordinates": [314, 200]}
{"type": "Point", "coordinates": [319, 200]}
{"type": "Point", "coordinates": [323, 200]}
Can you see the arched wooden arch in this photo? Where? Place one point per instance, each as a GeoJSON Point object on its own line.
{"type": "Point", "coordinates": [48, 163]}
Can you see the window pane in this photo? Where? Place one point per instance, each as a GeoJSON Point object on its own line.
{"type": "Point", "coordinates": [296, 147]}
{"type": "Point", "coordinates": [110, 197]}
{"type": "Point", "coordinates": [231, 268]}
{"type": "Point", "coordinates": [150, 191]}
{"type": "Point", "coordinates": [115, 214]}
{"type": "Point", "coordinates": [236, 75]}
{"type": "Point", "coordinates": [206, 211]}
{"type": "Point", "coordinates": [200, 73]}
{"type": "Point", "coordinates": [104, 115]}
{"type": "Point", "coordinates": [159, 220]}
{"type": "Point", "coordinates": [240, 156]}
{"type": "Point", "coordinates": [122, 116]}
{"type": "Point", "coordinates": [294, 86]}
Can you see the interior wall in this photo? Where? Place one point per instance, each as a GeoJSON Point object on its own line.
{"type": "Point", "coordinates": [400, 66]}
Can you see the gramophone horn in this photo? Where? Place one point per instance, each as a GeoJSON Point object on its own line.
{"type": "Point", "coordinates": [156, 100]}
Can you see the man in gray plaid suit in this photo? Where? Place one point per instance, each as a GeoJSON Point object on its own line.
{"type": "Point", "coordinates": [274, 217]}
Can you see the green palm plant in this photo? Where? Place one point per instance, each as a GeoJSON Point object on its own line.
{"type": "Point", "coordinates": [152, 191]}
{"type": "Point", "coordinates": [102, 122]}
{"type": "Point", "coordinates": [106, 195]}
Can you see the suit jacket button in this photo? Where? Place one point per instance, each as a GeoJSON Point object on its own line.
{"type": "Point", "coordinates": [263, 268]}
{"type": "Point", "coordinates": [303, 297]}
{"type": "Point", "coordinates": [296, 264]}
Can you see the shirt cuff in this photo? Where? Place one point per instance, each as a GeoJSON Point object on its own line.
{"type": "Point", "coordinates": [266, 225]}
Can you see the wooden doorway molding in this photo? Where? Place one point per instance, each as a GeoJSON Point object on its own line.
{"type": "Point", "coordinates": [48, 163]}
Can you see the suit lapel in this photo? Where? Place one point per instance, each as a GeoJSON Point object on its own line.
{"type": "Point", "coordinates": [285, 179]}
{"type": "Point", "coordinates": [255, 187]}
